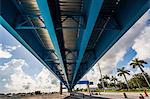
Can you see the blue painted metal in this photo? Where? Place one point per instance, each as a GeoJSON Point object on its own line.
{"type": "Point", "coordinates": [17, 36]}
{"type": "Point", "coordinates": [45, 12]}
{"type": "Point", "coordinates": [19, 6]}
{"type": "Point", "coordinates": [92, 17]}
{"type": "Point", "coordinates": [85, 82]}
{"type": "Point", "coordinates": [109, 38]}
{"type": "Point", "coordinates": [26, 35]}
{"type": "Point", "coordinates": [125, 15]}
{"type": "Point", "coordinates": [29, 27]}
{"type": "Point", "coordinates": [21, 25]}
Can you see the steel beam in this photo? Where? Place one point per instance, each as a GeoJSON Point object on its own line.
{"type": "Point", "coordinates": [20, 8]}
{"type": "Point", "coordinates": [92, 17]}
{"type": "Point", "coordinates": [69, 27]}
{"type": "Point", "coordinates": [29, 27]}
{"type": "Point", "coordinates": [104, 44]}
{"type": "Point", "coordinates": [17, 36]}
{"type": "Point", "coordinates": [45, 12]}
{"type": "Point", "coordinates": [25, 38]}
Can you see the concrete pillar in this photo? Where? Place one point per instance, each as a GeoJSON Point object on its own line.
{"type": "Point", "coordinates": [101, 77]}
{"type": "Point", "coordinates": [88, 89]}
{"type": "Point", "coordinates": [69, 90]}
{"type": "Point", "coordinates": [60, 88]}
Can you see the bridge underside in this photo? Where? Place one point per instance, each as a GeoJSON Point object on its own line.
{"type": "Point", "coordinates": [69, 36]}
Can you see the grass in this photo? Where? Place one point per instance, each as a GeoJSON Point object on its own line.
{"type": "Point", "coordinates": [130, 90]}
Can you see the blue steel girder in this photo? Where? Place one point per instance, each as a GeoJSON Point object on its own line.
{"type": "Point", "coordinates": [92, 17]}
{"type": "Point", "coordinates": [25, 24]}
{"type": "Point", "coordinates": [126, 15]}
{"type": "Point", "coordinates": [29, 27]}
{"type": "Point", "coordinates": [19, 38]}
{"type": "Point", "coordinates": [24, 18]}
{"type": "Point", "coordinates": [100, 25]}
{"type": "Point", "coordinates": [46, 14]}
{"type": "Point", "coordinates": [8, 20]}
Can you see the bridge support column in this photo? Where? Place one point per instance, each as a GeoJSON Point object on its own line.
{"type": "Point", "coordinates": [88, 89]}
{"type": "Point", "coordinates": [69, 90]}
{"type": "Point", "coordinates": [60, 88]}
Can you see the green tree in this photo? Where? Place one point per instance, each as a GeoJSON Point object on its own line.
{"type": "Point", "coordinates": [99, 86]}
{"type": "Point", "coordinates": [112, 84]}
{"type": "Point", "coordinates": [123, 72]}
{"type": "Point", "coordinates": [140, 64]}
{"type": "Point", "coordinates": [136, 79]}
{"type": "Point", "coordinates": [121, 85]}
{"type": "Point", "coordinates": [106, 77]}
{"type": "Point", "coordinates": [139, 81]}
{"type": "Point", "coordinates": [114, 79]}
{"type": "Point", "coordinates": [105, 80]}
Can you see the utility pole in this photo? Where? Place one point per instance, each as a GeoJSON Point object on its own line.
{"type": "Point", "coordinates": [101, 77]}
{"type": "Point", "coordinates": [88, 88]}
{"type": "Point", "coordinates": [61, 88]}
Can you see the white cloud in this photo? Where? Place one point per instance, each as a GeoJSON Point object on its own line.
{"type": "Point", "coordinates": [146, 69]}
{"type": "Point", "coordinates": [93, 76]}
{"type": "Point", "coordinates": [9, 67]}
{"type": "Point", "coordinates": [5, 51]}
{"type": "Point", "coordinates": [135, 37]}
{"type": "Point", "coordinates": [19, 81]}
{"type": "Point", "coordinates": [3, 79]}
{"type": "Point", "coordinates": [142, 44]}
{"type": "Point", "coordinates": [117, 52]}
{"type": "Point", "coordinates": [11, 48]}
{"type": "Point", "coordinates": [46, 81]}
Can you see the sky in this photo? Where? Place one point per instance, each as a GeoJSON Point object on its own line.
{"type": "Point", "coordinates": [20, 71]}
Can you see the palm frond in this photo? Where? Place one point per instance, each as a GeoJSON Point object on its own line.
{"type": "Point", "coordinates": [132, 64]}
{"type": "Point", "coordinates": [128, 73]}
{"type": "Point", "coordinates": [142, 65]}
{"type": "Point", "coordinates": [142, 61]}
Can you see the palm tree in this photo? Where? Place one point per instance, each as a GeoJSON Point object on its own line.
{"type": "Point", "coordinates": [105, 80]}
{"type": "Point", "coordinates": [114, 79]}
{"type": "Point", "coordinates": [106, 77]}
{"type": "Point", "coordinates": [136, 79]}
{"type": "Point", "coordinates": [140, 64]}
{"type": "Point", "coordinates": [123, 72]}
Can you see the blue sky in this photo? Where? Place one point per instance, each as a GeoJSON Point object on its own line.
{"type": "Point", "coordinates": [16, 60]}
{"type": "Point", "coordinates": [19, 52]}
{"type": "Point", "coordinates": [21, 71]}
{"type": "Point", "coordinates": [134, 44]}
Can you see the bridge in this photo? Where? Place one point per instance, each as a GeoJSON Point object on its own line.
{"type": "Point", "coordinates": [69, 36]}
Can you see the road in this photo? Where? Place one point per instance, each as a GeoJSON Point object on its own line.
{"type": "Point", "coordinates": [48, 96]}
{"type": "Point", "coordinates": [66, 96]}
{"type": "Point", "coordinates": [120, 95]}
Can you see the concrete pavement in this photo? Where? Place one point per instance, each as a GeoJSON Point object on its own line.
{"type": "Point", "coordinates": [103, 95]}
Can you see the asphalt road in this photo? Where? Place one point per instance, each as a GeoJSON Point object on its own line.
{"type": "Point", "coordinates": [120, 95]}
{"type": "Point", "coordinates": [48, 96]}
{"type": "Point", "coordinates": [67, 96]}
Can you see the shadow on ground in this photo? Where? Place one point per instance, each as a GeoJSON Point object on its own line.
{"type": "Point", "coordinates": [86, 97]}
